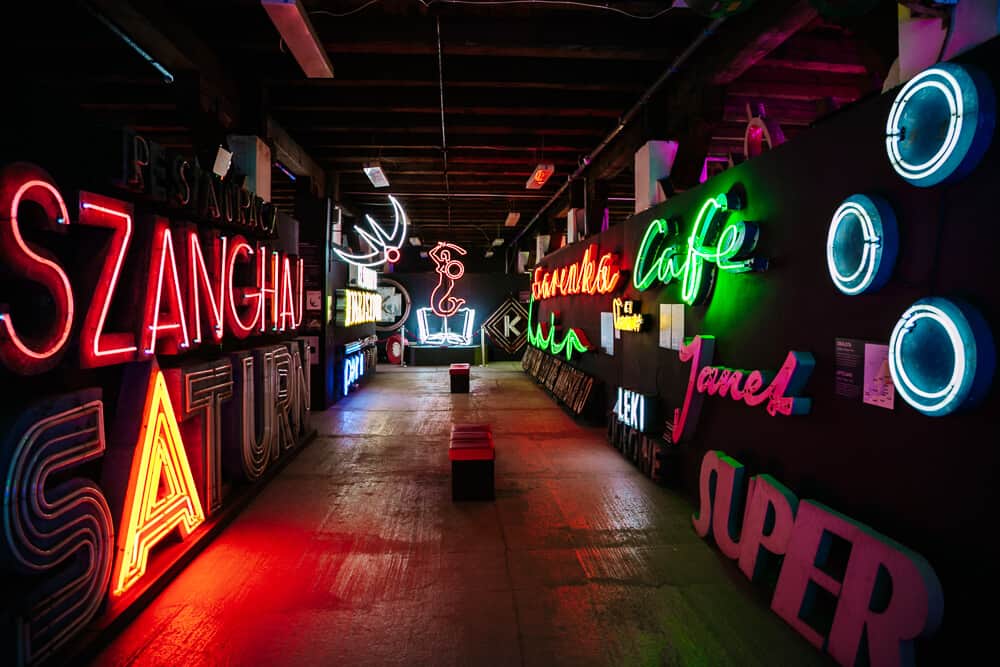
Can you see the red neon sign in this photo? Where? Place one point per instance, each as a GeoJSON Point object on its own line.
{"type": "Point", "coordinates": [205, 288]}
{"type": "Point", "coordinates": [449, 270]}
{"type": "Point", "coordinates": [588, 276]}
{"type": "Point", "coordinates": [27, 183]}
{"type": "Point", "coordinates": [97, 347]}
{"type": "Point", "coordinates": [164, 317]}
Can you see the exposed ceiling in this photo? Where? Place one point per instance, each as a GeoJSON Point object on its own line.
{"type": "Point", "coordinates": [520, 84]}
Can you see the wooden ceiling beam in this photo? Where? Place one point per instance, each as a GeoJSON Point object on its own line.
{"type": "Point", "coordinates": [451, 110]}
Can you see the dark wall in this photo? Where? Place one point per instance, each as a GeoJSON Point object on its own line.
{"type": "Point", "coordinates": [484, 292]}
{"type": "Point", "coordinates": [929, 483]}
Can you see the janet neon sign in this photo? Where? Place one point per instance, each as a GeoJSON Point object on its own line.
{"type": "Point", "coordinates": [711, 246]}
{"type": "Point", "coordinates": [779, 396]}
{"type": "Point", "coordinates": [588, 276]}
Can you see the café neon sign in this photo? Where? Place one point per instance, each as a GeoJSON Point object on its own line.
{"type": "Point", "coordinates": [711, 246]}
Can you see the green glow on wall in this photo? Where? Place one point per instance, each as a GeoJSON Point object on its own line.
{"type": "Point", "coordinates": [696, 260]}
{"type": "Point", "coordinates": [574, 340]}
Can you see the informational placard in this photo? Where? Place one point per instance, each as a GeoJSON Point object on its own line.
{"type": "Point", "coordinates": [850, 362]}
{"type": "Point", "coordinates": [314, 299]}
{"type": "Point", "coordinates": [879, 389]}
{"type": "Point", "coordinates": [608, 333]}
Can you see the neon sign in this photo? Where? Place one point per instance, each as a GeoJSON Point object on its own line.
{"type": "Point", "coordinates": [711, 246]}
{"type": "Point", "coordinates": [940, 124]}
{"type": "Point", "coordinates": [56, 529]}
{"type": "Point", "coordinates": [543, 336]}
{"type": "Point", "coordinates": [27, 183]}
{"type": "Point", "coordinates": [384, 247]}
{"type": "Point", "coordinates": [861, 245]}
{"type": "Point", "coordinates": [626, 315]}
{"type": "Point", "coordinates": [588, 276]}
{"type": "Point", "coordinates": [354, 368]}
{"type": "Point", "coordinates": [449, 270]}
{"type": "Point", "coordinates": [631, 408]}
{"type": "Point", "coordinates": [941, 356]}
{"type": "Point", "coordinates": [357, 307]}
{"type": "Point", "coordinates": [444, 335]}
{"type": "Point", "coordinates": [362, 277]}
{"type": "Point", "coordinates": [160, 495]}
{"type": "Point", "coordinates": [884, 620]}
{"type": "Point", "coordinates": [780, 394]}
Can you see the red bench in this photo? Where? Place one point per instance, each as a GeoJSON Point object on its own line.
{"type": "Point", "coordinates": [459, 374]}
{"type": "Point", "coordinates": [472, 456]}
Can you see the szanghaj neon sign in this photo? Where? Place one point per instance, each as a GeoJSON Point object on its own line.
{"type": "Point", "coordinates": [711, 246]}
{"type": "Point", "coordinates": [588, 276]}
{"type": "Point", "coordinates": [183, 439]}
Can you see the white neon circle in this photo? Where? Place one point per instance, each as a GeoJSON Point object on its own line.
{"type": "Point", "coordinates": [938, 401]}
{"type": "Point", "coordinates": [869, 253]}
{"type": "Point", "coordinates": [952, 92]}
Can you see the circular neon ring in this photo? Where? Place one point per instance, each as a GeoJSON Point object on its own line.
{"type": "Point", "coordinates": [971, 349]}
{"type": "Point", "coordinates": [406, 307]}
{"type": "Point", "coordinates": [970, 105]}
{"type": "Point", "coordinates": [880, 242]}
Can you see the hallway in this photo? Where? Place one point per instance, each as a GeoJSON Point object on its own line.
{"type": "Point", "coordinates": [355, 554]}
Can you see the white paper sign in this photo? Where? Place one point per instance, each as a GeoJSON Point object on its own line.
{"type": "Point", "coordinates": [665, 325]}
{"type": "Point", "coordinates": [608, 333]}
{"type": "Point", "coordinates": [676, 325]}
{"type": "Point", "coordinates": [878, 388]}
{"type": "Point", "coordinates": [314, 299]}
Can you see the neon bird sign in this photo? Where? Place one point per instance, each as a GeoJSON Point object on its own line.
{"type": "Point", "coordinates": [449, 270]}
{"type": "Point", "coordinates": [384, 247]}
{"type": "Point", "coordinates": [711, 246]}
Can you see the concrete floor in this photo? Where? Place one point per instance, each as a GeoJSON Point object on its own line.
{"type": "Point", "coordinates": [356, 555]}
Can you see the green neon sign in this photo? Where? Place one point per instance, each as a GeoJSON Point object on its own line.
{"type": "Point", "coordinates": [712, 245]}
{"type": "Point", "coordinates": [543, 336]}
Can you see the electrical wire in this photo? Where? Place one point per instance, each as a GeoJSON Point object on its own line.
{"type": "Point", "coordinates": [566, 3]}
{"type": "Point", "coordinates": [327, 12]}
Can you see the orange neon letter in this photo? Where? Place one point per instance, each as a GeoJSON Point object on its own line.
{"type": "Point", "coordinates": [161, 494]}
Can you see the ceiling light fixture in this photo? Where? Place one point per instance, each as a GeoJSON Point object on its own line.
{"type": "Point", "coordinates": [498, 241]}
{"type": "Point", "coordinates": [296, 30]}
{"type": "Point", "coordinates": [489, 253]}
{"type": "Point", "coordinates": [373, 170]}
{"type": "Point", "coordinates": [415, 240]}
{"type": "Point", "coordinates": [539, 177]}
{"type": "Point", "coordinates": [512, 219]}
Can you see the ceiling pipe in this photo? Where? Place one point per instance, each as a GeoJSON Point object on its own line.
{"type": "Point", "coordinates": [625, 120]}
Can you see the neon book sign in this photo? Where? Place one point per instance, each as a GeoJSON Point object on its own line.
{"type": "Point", "coordinates": [588, 276]}
{"type": "Point", "coordinates": [778, 396]}
{"type": "Point", "coordinates": [711, 246]}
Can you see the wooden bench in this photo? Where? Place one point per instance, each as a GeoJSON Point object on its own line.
{"type": "Point", "coordinates": [472, 457]}
{"type": "Point", "coordinates": [459, 374]}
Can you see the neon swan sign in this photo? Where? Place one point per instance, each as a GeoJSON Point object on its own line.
{"type": "Point", "coordinates": [384, 247]}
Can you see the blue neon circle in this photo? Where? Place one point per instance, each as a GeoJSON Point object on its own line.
{"type": "Point", "coordinates": [940, 124]}
{"type": "Point", "coordinates": [862, 244]}
{"type": "Point", "coordinates": [941, 356]}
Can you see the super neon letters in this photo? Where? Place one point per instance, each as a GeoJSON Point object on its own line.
{"type": "Point", "coordinates": [197, 286]}
{"type": "Point", "coordinates": [712, 245]}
